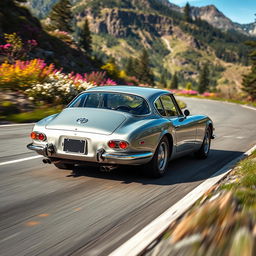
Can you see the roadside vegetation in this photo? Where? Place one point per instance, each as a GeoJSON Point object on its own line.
{"type": "Point", "coordinates": [222, 222]}
{"type": "Point", "coordinates": [44, 65]}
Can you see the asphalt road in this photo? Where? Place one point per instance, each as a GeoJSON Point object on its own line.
{"type": "Point", "coordinates": [46, 211]}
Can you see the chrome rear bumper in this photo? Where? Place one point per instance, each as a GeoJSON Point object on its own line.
{"type": "Point", "coordinates": [39, 149]}
{"type": "Point", "coordinates": [101, 156]}
{"type": "Point", "coordinates": [134, 156]}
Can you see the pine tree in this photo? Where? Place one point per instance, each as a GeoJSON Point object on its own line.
{"type": "Point", "coordinates": [144, 73]}
{"type": "Point", "coordinates": [130, 67]}
{"type": "Point", "coordinates": [163, 80]}
{"type": "Point", "coordinates": [84, 38]}
{"type": "Point", "coordinates": [61, 16]}
{"type": "Point", "coordinates": [249, 80]}
{"type": "Point", "coordinates": [204, 79]}
{"type": "Point", "coordinates": [174, 83]}
{"type": "Point", "coordinates": [187, 12]}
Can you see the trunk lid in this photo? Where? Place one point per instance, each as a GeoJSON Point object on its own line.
{"type": "Point", "coordinates": [92, 120]}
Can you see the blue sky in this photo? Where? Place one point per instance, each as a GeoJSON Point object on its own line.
{"type": "Point", "coordinates": [241, 11]}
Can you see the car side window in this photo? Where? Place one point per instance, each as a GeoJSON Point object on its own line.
{"type": "Point", "coordinates": [169, 106]}
{"type": "Point", "coordinates": [159, 107]}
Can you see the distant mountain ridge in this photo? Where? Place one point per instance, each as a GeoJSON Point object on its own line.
{"type": "Point", "coordinates": [209, 13]}
{"type": "Point", "coordinates": [121, 29]}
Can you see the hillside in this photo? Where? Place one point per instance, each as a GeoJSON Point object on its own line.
{"type": "Point", "coordinates": [17, 19]}
{"type": "Point", "coordinates": [210, 13]}
{"type": "Point", "coordinates": [121, 29]}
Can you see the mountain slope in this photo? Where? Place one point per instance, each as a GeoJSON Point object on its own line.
{"type": "Point", "coordinates": [17, 19]}
{"type": "Point", "coordinates": [121, 29]}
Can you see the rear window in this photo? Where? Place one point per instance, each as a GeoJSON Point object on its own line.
{"type": "Point", "coordinates": [115, 101]}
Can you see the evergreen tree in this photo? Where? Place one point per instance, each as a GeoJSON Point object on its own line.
{"type": "Point", "coordinates": [144, 73]}
{"type": "Point", "coordinates": [204, 79]}
{"type": "Point", "coordinates": [61, 16]}
{"type": "Point", "coordinates": [130, 67]}
{"type": "Point", "coordinates": [84, 38]}
{"type": "Point", "coordinates": [249, 80]}
{"type": "Point", "coordinates": [187, 12]}
{"type": "Point", "coordinates": [174, 83]}
{"type": "Point", "coordinates": [163, 80]}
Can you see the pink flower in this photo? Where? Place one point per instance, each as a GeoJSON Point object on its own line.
{"type": "Point", "coordinates": [6, 46]}
{"type": "Point", "coordinates": [32, 42]}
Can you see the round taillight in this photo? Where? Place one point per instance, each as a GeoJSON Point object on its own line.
{"type": "Point", "coordinates": [123, 144]}
{"type": "Point", "coordinates": [41, 136]}
{"type": "Point", "coordinates": [33, 135]}
{"type": "Point", "coordinates": [112, 144]}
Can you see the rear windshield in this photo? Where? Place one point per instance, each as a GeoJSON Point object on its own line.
{"type": "Point", "coordinates": [115, 101]}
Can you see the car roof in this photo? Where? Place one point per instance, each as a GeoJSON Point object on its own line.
{"type": "Point", "coordinates": [145, 92]}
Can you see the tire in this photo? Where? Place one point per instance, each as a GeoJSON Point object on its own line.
{"type": "Point", "coordinates": [203, 152]}
{"type": "Point", "coordinates": [157, 167]}
{"type": "Point", "coordinates": [64, 166]}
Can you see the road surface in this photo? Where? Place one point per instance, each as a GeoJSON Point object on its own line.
{"type": "Point", "coordinates": [47, 211]}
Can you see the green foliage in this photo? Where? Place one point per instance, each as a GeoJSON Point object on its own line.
{"type": "Point", "coordinates": [83, 37]}
{"type": "Point", "coordinates": [187, 14]}
{"type": "Point", "coordinates": [8, 107]}
{"type": "Point", "coordinates": [61, 16]}
{"type": "Point", "coordinates": [143, 71]}
{"type": "Point", "coordinates": [204, 79]}
{"type": "Point", "coordinates": [174, 83]}
{"type": "Point", "coordinates": [189, 86]}
{"type": "Point", "coordinates": [131, 67]}
{"type": "Point", "coordinates": [33, 116]}
{"type": "Point", "coordinates": [249, 80]}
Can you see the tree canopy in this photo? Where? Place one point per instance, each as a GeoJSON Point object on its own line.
{"type": "Point", "coordinates": [249, 80]}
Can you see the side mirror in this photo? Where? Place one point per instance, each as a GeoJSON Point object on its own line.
{"type": "Point", "coordinates": [186, 112]}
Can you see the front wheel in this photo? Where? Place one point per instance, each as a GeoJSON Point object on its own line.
{"type": "Point", "coordinates": [203, 152]}
{"type": "Point", "coordinates": [157, 167]}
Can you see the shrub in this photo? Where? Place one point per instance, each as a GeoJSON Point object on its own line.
{"type": "Point", "coordinates": [15, 48]}
{"type": "Point", "coordinates": [23, 74]}
{"type": "Point", "coordinates": [58, 88]}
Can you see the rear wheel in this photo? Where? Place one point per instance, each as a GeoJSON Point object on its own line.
{"type": "Point", "coordinates": [64, 166]}
{"type": "Point", "coordinates": [203, 152]}
{"type": "Point", "coordinates": [158, 165]}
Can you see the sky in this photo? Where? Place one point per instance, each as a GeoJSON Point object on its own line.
{"type": "Point", "coordinates": [241, 11]}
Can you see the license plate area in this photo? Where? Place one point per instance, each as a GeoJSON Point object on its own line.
{"type": "Point", "coordinates": [74, 146]}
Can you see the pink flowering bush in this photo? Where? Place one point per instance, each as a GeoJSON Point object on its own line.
{"type": "Point", "coordinates": [184, 92]}
{"type": "Point", "coordinates": [16, 49]}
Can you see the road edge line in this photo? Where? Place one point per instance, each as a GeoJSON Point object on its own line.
{"type": "Point", "coordinates": [20, 160]}
{"type": "Point", "coordinates": [140, 241]}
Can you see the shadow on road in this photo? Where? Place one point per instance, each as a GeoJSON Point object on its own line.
{"type": "Point", "coordinates": [183, 170]}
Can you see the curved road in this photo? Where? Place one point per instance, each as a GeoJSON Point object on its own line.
{"type": "Point", "coordinates": [46, 211]}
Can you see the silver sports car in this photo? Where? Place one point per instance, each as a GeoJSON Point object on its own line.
{"type": "Point", "coordinates": [122, 125]}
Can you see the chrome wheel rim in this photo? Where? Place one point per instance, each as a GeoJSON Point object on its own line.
{"type": "Point", "coordinates": [162, 156]}
{"type": "Point", "coordinates": [207, 143]}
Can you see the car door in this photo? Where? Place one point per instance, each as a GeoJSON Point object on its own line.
{"type": "Point", "coordinates": [184, 127]}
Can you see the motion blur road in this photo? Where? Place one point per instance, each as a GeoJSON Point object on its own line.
{"type": "Point", "coordinates": [47, 211]}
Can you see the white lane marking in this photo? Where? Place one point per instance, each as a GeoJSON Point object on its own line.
{"type": "Point", "coordinates": [252, 108]}
{"type": "Point", "coordinates": [20, 160]}
{"type": "Point", "coordinates": [9, 125]}
{"type": "Point", "coordinates": [139, 242]}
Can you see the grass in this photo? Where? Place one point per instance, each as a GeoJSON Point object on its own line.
{"type": "Point", "coordinates": [32, 116]}
{"type": "Point", "coordinates": [222, 222]}
{"type": "Point", "coordinates": [244, 187]}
